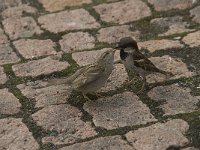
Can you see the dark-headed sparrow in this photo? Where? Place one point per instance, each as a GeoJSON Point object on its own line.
{"type": "Point", "coordinates": [92, 77]}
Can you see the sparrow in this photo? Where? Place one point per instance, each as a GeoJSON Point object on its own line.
{"type": "Point", "coordinates": [135, 61]}
{"type": "Point", "coordinates": [90, 78]}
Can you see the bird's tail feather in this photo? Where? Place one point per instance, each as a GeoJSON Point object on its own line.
{"type": "Point", "coordinates": [167, 74]}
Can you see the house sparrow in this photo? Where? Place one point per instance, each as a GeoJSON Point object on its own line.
{"type": "Point", "coordinates": [92, 77]}
{"type": "Point", "coordinates": [135, 61]}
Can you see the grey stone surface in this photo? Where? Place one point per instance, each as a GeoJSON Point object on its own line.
{"type": "Point", "coordinates": [175, 99]}
{"type": "Point", "coordinates": [195, 13]}
{"type": "Point", "coordinates": [21, 27]}
{"type": "Point", "coordinates": [164, 5]}
{"type": "Point", "coordinates": [31, 48]}
{"type": "Point", "coordinates": [9, 3]}
{"type": "Point", "coordinates": [68, 20]}
{"type": "Point", "coordinates": [192, 39]}
{"type": "Point", "coordinates": [9, 104]}
{"type": "Point", "coordinates": [77, 41]}
{"type": "Point", "coordinates": [173, 65]}
{"type": "Point", "coordinates": [18, 11]}
{"type": "Point", "coordinates": [3, 37]}
{"type": "Point", "coordinates": [102, 143]}
{"type": "Point", "coordinates": [66, 120]}
{"type": "Point", "coordinates": [174, 25]}
{"type": "Point", "coordinates": [45, 96]}
{"type": "Point", "coordinates": [7, 55]}
{"type": "Point", "coordinates": [56, 5]}
{"type": "Point", "coordinates": [117, 78]}
{"type": "Point", "coordinates": [3, 77]}
{"type": "Point", "coordinates": [14, 135]}
{"type": "Point", "coordinates": [159, 136]}
{"type": "Point", "coordinates": [119, 111]}
{"type": "Point", "coordinates": [39, 67]}
{"type": "Point", "coordinates": [123, 11]}
{"type": "Point", "coordinates": [155, 45]}
{"type": "Point", "coordinates": [115, 33]}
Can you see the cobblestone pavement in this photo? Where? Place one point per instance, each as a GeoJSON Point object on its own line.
{"type": "Point", "coordinates": [45, 39]}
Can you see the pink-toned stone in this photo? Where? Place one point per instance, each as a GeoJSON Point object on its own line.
{"type": "Point", "coordinates": [115, 33]}
{"type": "Point", "coordinates": [3, 37]}
{"type": "Point", "coordinates": [45, 96]}
{"type": "Point", "coordinates": [3, 77]}
{"type": "Point", "coordinates": [9, 3]}
{"type": "Point", "coordinates": [30, 48]}
{"type": "Point", "coordinates": [7, 55]}
{"type": "Point", "coordinates": [192, 39]}
{"type": "Point", "coordinates": [77, 41]}
{"type": "Point", "coordinates": [176, 99]}
{"type": "Point", "coordinates": [68, 20]}
{"type": "Point", "coordinates": [56, 5]}
{"type": "Point", "coordinates": [21, 27]}
{"type": "Point", "coordinates": [167, 63]}
{"type": "Point", "coordinates": [14, 135]}
{"type": "Point", "coordinates": [195, 13]}
{"type": "Point", "coordinates": [102, 143]}
{"type": "Point", "coordinates": [159, 136]}
{"type": "Point", "coordinates": [164, 5]}
{"type": "Point", "coordinates": [66, 120]}
{"type": "Point", "coordinates": [119, 111]}
{"type": "Point", "coordinates": [155, 45]}
{"type": "Point", "coordinates": [9, 104]}
{"type": "Point", "coordinates": [39, 67]}
{"type": "Point", "coordinates": [123, 11]}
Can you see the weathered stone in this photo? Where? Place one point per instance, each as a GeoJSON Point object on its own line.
{"type": "Point", "coordinates": [21, 27]}
{"type": "Point", "coordinates": [45, 96]}
{"type": "Point", "coordinates": [159, 136]}
{"type": "Point", "coordinates": [66, 120]}
{"type": "Point", "coordinates": [3, 77]}
{"type": "Point", "coordinates": [192, 39]}
{"type": "Point", "coordinates": [191, 148]}
{"type": "Point", "coordinates": [30, 48]}
{"type": "Point", "coordinates": [9, 104]}
{"type": "Point", "coordinates": [195, 13]}
{"type": "Point", "coordinates": [177, 100]}
{"type": "Point", "coordinates": [175, 25]}
{"type": "Point", "coordinates": [164, 5]}
{"type": "Point", "coordinates": [155, 45]}
{"type": "Point", "coordinates": [3, 37]}
{"type": "Point", "coordinates": [56, 5]}
{"type": "Point", "coordinates": [123, 11]}
{"type": "Point", "coordinates": [116, 79]}
{"type": "Point", "coordinates": [39, 67]}
{"type": "Point", "coordinates": [102, 143]}
{"type": "Point", "coordinates": [14, 135]}
{"type": "Point", "coordinates": [117, 111]}
{"type": "Point", "coordinates": [4, 4]}
{"type": "Point", "coordinates": [18, 11]}
{"type": "Point", "coordinates": [73, 42]}
{"type": "Point", "coordinates": [89, 57]}
{"type": "Point", "coordinates": [115, 33]}
{"type": "Point", "coordinates": [7, 55]}
{"type": "Point", "coordinates": [68, 20]}
{"type": "Point", "coordinates": [167, 63]}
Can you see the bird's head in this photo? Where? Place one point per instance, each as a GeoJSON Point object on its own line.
{"type": "Point", "coordinates": [127, 42]}
{"type": "Point", "coordinates": [107, 57]}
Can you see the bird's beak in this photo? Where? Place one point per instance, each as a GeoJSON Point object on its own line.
{"type": "Point", "coordinates": [116, 46]}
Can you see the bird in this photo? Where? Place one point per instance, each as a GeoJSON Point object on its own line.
{"type": "Point", "coordinates": [135, 61]}
{"type": "Point", "coordinates": [90, 78]}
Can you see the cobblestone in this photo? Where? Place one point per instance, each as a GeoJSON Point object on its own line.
{"type": "Point", "coordinates": [68, 20]}
{"type": "Point", "coordinates": [3, 77]}
{"type": "Point", "coordinates": [15, 135]}
{"type": "Point", "coordinates": [115, 33]}
{"type": "Point", "coordinates": [39, 67]}
{"type": "Point", "coordinates": [9, 104]}
{"type": "Point", "coordinates": [110, 142]}
{"type": "Point", "coordinates": [73, 42]}
{"type": "Point", "coordinates": [123, 12]}
{"type": "Point", "coordinates": [159, 136]}
{"type": "Point", "coordinates": [195, 13]}
{"type": "Point", "coordinates": [117, 111]}
{"type": "Point", "coordinates": [21, 27]}
{"type": "Point", "coordinates": [3, 37]}
{"type": "Point", "coordinates": [192, 39]}
{"type": "Point", "coordinates": [31, 48]}
{"type": "Point", "coordinates": [64, 119]}
{"type": "Point", "coordinates": [176, 99]}
{"type": "Point", "coordinates": [9, 3]}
